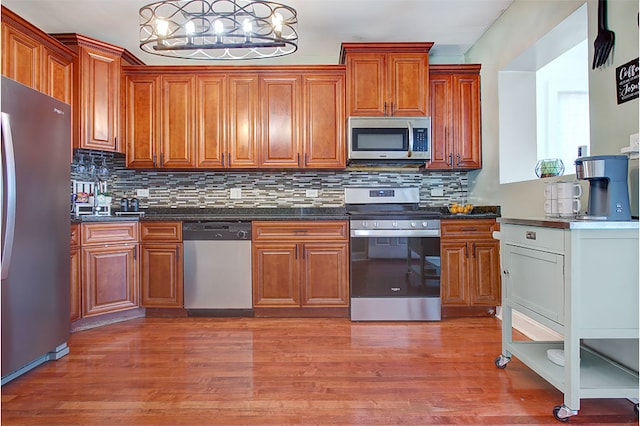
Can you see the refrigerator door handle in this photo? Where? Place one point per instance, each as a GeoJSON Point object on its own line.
{"type": "Point", "coordinates": [8, 188]}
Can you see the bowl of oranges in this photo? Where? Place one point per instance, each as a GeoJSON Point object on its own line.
{"type": "Point", "coordinates": [455, 208]}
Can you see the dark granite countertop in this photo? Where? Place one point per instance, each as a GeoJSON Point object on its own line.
{"type": "Point", "coordinates": [287, 213]}
{"type": "Point", "coordinates": [228, 214]}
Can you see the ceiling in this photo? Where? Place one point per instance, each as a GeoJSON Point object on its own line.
{"type": "Point", "coordinates": [453, 25]}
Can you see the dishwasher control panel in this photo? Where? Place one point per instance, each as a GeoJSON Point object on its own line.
{"type": "Point", "coordinates": [216, 231]}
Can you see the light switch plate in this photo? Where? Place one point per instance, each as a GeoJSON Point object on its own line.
{"type": "Point", "coordinates": [142, 192]}
{"type": "Point", "coordinates": [235, 193]}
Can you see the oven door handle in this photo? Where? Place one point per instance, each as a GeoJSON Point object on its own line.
{"type": "Point", "coordinates": [395, 233]}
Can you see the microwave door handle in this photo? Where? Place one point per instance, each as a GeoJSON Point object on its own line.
{"type": "Point", "coordinates": [410, 139]}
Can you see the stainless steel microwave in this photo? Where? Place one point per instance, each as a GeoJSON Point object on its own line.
{"type": "Point", "coordinates": [389, 138]}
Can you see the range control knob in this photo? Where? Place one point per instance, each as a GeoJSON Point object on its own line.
{"type": "Point", "coordinates": [241, 234]}
{"type": "Point", "coordinates": [414, 224]}
{"type": "Point", "coordinates": [425, 224]}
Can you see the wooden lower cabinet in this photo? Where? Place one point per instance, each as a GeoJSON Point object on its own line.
{"type": "Point", "coordinates": [300, 264]}
{"type": "Point", "coordinates": [75, 301]}
{"type": "Point", "coordinates": [470, 267]}
{"type": "Point", "coordinates": [109, 278]}
{"type": "Point", "coordinates": [109, 267]}
{"type": "Point", "coordinates": [161, 277]}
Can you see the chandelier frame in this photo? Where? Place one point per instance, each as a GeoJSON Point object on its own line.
{"type": "Point", "coordinates": [218, 29]}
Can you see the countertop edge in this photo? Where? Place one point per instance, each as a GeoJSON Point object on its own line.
{"type": "Point", "coordinates": [570, 223]}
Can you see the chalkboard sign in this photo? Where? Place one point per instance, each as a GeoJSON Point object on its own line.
{"type": "Point", "coordinates": [627, 81]}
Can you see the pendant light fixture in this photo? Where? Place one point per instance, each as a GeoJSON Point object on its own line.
{"type": "Point", "coordinates": [218, 29]}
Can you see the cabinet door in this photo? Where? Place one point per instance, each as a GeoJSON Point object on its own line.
{"type": "Point", "coordinates": [243, 120]}
{"type": "Point", "coordinates": [99, 102]}
{"type": "Point", "coordinates": [280, 142]}
{"type": "Point", "coordinates": [323, 124]}
{"type": "Point", "coordinates": [535, 281]}
{"type": "Point", "coordinates": [177, 106]}
{"type": "Point", "coordinates": [454, 273]}
{"type": "Point", "coordinates": [211, 100]}
{"type": "Point", "coordinates": [141, 120]}
{"type": "Point", "coordinates": [325, 277]}
{"type": "Point", "coordinates": [275, 275]}
{"type": "Point", "coordinates": [161, 275]}
{"type": "Point", "coordinates": [21, 56]}
{"type": "Point", "coordinates": [57, 80]}
{"type": "Point", "coordinates": [367, 84]}
{"type": "Point", "coordinates": [75, 288]}
{"type": "Point", "coordinates": [484, 283]}
{"type": "Point", "coordinates": [467, 120]}
{"type": "Point", "coordinates": [441, 112]}
{"type": "Point", "coordinates": [408, 85]}
{"type": "Point", "coordinates": [109, 278]}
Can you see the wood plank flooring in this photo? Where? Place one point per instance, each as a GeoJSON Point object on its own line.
{"type": "Point", "coordinates": [231, 371]}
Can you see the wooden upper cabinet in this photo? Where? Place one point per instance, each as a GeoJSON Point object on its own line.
{"type": "Point", "coordinates": [280, 121]}
{"type": "Point", "coordinates": [242, 124]}
{"type": "Point", "coordinates": [58, 79]}
{"type": "Point", "coordinates": [141, 99]}
{"type": "Point", "coordinates": [211, 98]}
{"type": "Point", "coordinates": [97, 84]}
{"type": "Point", "coordinates": [100, 88]}
{"type": "Point", "coordinates": [409, 84]}
{"type": "Point", "coordinates": [206, 118]}
{"type": "Point", "coordinates": [177, 106]}
{"type": "Point", "coordinates": [21, 56]}
{"type": "Point", "coordinates": [387, 79]}
{"type": "Point", "coordinates": [323, 132]}
{"type": "Point", "coordinates": [455, 117]}
{"type": "Point", "coordinates": [367, 84]}
{"type": "Point", "coordinates": [35, 59]}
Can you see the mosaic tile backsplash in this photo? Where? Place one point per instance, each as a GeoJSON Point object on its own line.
{"type": "Point", "coordinates": [259, 188]}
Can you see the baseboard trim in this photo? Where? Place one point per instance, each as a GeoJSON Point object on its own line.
{"type": "Point", "coordinates": [530, 328]}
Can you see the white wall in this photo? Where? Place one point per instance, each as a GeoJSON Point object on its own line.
{"type": "Point", "coordinates": [524, 22]}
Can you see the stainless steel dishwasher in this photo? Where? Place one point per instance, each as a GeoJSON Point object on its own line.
{"type": "Point", "coordinates": [217, 267]}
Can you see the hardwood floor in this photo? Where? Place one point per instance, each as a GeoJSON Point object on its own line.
{"type": "Point", "coordinates": [229, 371]}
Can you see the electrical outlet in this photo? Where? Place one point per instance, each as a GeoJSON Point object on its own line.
{"type": "Point", "coordinates": [142, 192]}
{"type": "Point", "coordinates": [312, 193]}
{"type": "Point", "coordinates": [235, 193]}
{"type": "Point", "coordinates": [437, 192]}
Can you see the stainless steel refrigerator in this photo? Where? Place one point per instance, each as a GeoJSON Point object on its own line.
{"type": "Point", "coordinates": [34, 293]}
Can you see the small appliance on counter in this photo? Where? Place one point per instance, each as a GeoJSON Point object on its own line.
{"type": "Point", "coordinates": [608, 187]}
{"type": "Point", "coordinates": [85, 202]}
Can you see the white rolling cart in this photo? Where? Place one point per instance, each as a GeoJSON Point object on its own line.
{"type": "Point", "coordinates": [580, 279]}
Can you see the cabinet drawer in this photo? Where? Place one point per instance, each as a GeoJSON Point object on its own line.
{"type": "Point", "coordinates": [165, 232]}
{"type": "Point", "coordinates": [534, 237]}
{"type": "Point", "coordinates": [300, 230]}
{"type": "Point", "coordinates": [468, 228]}
{"type": "Point", "coordinates": [100, 233]}
{"type": "Point", "coordinates": [75, 235]}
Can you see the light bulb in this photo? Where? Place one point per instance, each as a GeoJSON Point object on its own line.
{"type": "Point", "coordinates": [276, 22]}
{"type": "Point", "coordinates": [190, 27]}
{"type": "Point", "coordinates": [218, 27]}
{"type": "Point", "coordinates": [246, 26]}
{"type": "Point", "coordinates": [162, 27]}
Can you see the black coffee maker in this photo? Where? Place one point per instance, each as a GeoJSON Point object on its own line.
{"type": "Point", "coordinates": [608, 187]}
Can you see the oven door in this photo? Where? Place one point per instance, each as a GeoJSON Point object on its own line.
{"type": "Point", "coordinates": [395, 275]}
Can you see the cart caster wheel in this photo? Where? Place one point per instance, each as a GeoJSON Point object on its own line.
{"type": "Point", "coordinates": [502, 361]}
{"type": "Point", "coordinates": [556, 411]}
{"type": "Point", "coordinates": [562, 413]}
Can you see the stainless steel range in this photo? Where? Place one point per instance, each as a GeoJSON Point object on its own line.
{"type": "Point", "coordinates": [395, 255]}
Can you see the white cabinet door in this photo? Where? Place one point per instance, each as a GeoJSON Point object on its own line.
{"type": "Point", "coordinates": [535, 281]}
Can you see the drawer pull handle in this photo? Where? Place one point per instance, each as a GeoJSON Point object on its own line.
{"type": "Point", "coordinates": [530, 235]}
{"type": "Point", "coordinates": [395, 289]}
{"type": "Point", "coordinates": [469, 229]}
